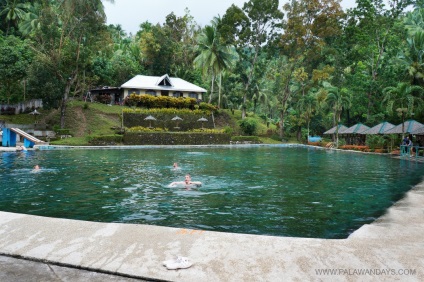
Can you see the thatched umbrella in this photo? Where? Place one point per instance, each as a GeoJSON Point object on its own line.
{"type": "Point", "coordinates": [150, 118]}
{"type": "Point", "coordinates": [35, 113]}
{"type": "Point", "coordinates": [202, 119]}
{"type": "Point", "coordinates": [379, 128]}
{"type": "Point", "coordinates": [406, 127]}
{"type": "Point", "coordinates": [177, 119]}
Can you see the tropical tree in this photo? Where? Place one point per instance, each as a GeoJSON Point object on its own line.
{"type": "Point", "coordinates": [31, 20]}
{"type": "Point", "coordinates": [403, 98]}
{"type": "Point", "coordinates": [12, 11]}
{"type": "Point", "coordinates": [337, 99]}
{"type": "Point", "coordinates": [15, 56]}
{"type": "Point", "coordinates": [374, 38]}
{"type": "Point", "coordinates": [310, 26]}
{"type": "Point", "coordinates": [411, 59]}
{"type": "Point", "coordinates": [307, 105]}
{"type": "Point", "coordinates": [69, 32]}
{"type": "Point", "coordinates": [214, 56]}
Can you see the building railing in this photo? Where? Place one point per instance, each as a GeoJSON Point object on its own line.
{"type": "Point", "coordinates": [415, 152]}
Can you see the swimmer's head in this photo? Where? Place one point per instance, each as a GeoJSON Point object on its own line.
{"type": "Point", "coordinates": [187, 179]}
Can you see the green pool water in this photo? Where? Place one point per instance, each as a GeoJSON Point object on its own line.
{"type": "Point", "coordinates": [300, 192]}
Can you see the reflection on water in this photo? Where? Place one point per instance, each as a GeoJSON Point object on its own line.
{"type": "Point", "coordinates": [262, 190]}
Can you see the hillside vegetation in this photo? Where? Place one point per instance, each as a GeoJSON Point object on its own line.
{"type": "Point", "coordinates": [89, 120]}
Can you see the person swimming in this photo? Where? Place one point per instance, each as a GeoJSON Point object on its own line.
{"type": "Point", "coordinates": [36, 168]}
{"type": "Point", "coordinates": [175, 166]}
{"type": "Point", "coordinates": [187, 182]}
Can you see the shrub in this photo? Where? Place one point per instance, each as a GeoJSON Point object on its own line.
{"type": "Point", "coordinates": [105, 140]}
{"type": "Point", "coordinates": [245, 138]}
{"type": "Point", "coordinates": [248, 126]}
{"type": "Point", "coordinates": [206, 130]}
{"type": "Point", "coordinates": [228, 129]}
{"type": "Point", "coordinates": [319, 143]}
{"type": "Point", "coordinates": [145, 129]}
{"type": "Point", "coordinates": [148, 101]}
{"type": "Point", "coordinates": [207, 107]}
{"type": "Point", "coordinates": [376, 141]}
{"type": "Point", "coordinates": [104, 98]}
{"type": "Point", "coordinates": [355, 148]}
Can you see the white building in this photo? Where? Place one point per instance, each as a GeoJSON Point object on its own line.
{"type": "Point", "coordinates": [162, 86]}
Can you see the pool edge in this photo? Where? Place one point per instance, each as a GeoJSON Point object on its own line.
{"type": "Point", "coordinates": [393, 242]}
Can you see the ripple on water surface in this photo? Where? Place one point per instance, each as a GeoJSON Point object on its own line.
{"type": "Point", "coordinates": [260, 190]}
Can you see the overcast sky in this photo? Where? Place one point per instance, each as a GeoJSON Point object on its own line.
{"type": "Point", "coordinates": [131, 13]}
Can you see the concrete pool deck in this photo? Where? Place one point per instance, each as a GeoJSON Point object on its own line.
{"type": "Point", "coordinates": [389, 249]}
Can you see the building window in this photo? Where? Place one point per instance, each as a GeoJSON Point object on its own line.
{"type": "Point", "coordinates": [178, 94]}
{"type": "Point", "coordinates": [134, 91]}
{"type": "Point", "coordinates": [193, 95]}
{"type": "Point", "coordinates": [151, 92]}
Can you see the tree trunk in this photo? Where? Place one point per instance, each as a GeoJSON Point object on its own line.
{"type": "Point", "coordinates": [210, 96]}
{"type": "Point", "coordinates": [65, 101]}
{"type": "Point", "coordinates": [307, 138]}
{"type": "Point", "coordinates": [219, 91]}
{"type": "Point", "coordinates": [281, 129]}
{"type": "Point", "coordinates": [299, 133]}
{"type": "Point", "coordinates": [243, 108]}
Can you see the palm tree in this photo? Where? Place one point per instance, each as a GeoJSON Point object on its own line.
{"type": "Point", "coordinates": [414, 21]}
{"type": "Point", "coordinates": [259, 94]}
{"type": "Point", "coordinates": [13, 11]}
{"type": "Point", "coordinates": [31, 20]}
{"type": "Point", "coordinates": [412, 57]}
{"type": "Point", "coordinates": [404, 97]}
{"type": "Point", "coordinates": [214, 57]}
{"type": "Point", "coordinates": [307, 105]}
{"type": "Point", "coordinates": [337, 99]}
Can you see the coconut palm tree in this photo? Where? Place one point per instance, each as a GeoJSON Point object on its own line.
{"type": "Point", "coordinates": [414, 21]}
{"type": "Point", "coordinates": [403, 98]}
{"type": "Point", "coordinates": [307, 106]}
{"type": "Point", "coordinates": [259, 95]}
{"type": "Point", "coordinates": [337, 99]}
{"type": "Point", "coordinates": [412, 57]}
{"type": "Point", "coordinates": [13, 11]}
{"type": "Point", "coordinates": [31, 20]}
{"type": "Point", "coordinates": [213, 56]}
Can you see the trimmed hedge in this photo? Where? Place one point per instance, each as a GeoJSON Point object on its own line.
{"type": "Point", "coordinates": [180, 138]}
{"type": "Point", "coordinates": [355, 148]}
{"type": "Point", "coordinates": [151, 102]}
{"type": "Point", "coordinates": [105, 140]}
{"type": "Point", "coordinates": [245, 138]}
{"type": "Point", "coordinates": [135, 118]}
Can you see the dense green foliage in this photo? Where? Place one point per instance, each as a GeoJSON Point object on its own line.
{"type": "Point", "coordinates": [248, 126]}
{"type": "Point", "coordinates": [305, 66]}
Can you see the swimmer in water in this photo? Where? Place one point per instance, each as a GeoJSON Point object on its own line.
{"type": "Point", "coordinates": [187, 182]}
{"type": "Point", "coordinates": [36, 168]}
{"type": "Point", "coordinates": [175, 166]}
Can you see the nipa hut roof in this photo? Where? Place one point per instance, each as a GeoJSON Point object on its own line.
{"type": "Point", "coordinates": [410, 126]}
{"type": "Point", "coordinates": [379, 128]}
{"type": "Point", "coordinates": [333, 130]}
{"type": "Point", "coordinates": [355, 129]}
{"type": "Point", "coordinates": [419, 131]}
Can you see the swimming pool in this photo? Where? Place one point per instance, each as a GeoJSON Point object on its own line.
{"type": "Point", "coordinates": [269, 190]}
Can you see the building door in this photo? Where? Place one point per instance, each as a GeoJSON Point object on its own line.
{"type": "Point", "coordinates": [164, 93]}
